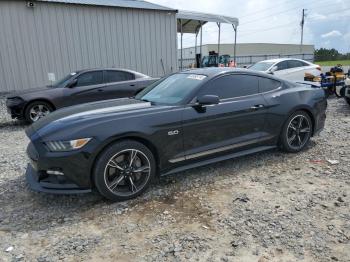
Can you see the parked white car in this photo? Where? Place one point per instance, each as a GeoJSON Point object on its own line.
{"type": "Point", "coordinates": [287, 68]}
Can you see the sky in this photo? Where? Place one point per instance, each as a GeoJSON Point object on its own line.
{"type": "Point", "coordinates": [327, 22]}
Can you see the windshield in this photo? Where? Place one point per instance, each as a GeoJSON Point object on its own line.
{"type": "Point", "coordinates": [171, 90]}
{"type": "Point", "coordinates": [63, 80]}
{"type": "Point", "coordinates": [261, 66]}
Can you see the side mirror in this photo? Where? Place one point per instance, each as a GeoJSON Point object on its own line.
{"type": "Point", "coordinates": [273, 69]}
{"type": "Point", "coordinates": [72, 84]}
{"type": "Point", "coordinates": [208, 100]}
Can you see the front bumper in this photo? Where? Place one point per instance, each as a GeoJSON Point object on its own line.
{"type": "Point", "coordinates": [74, 170]}
{"type": "Point", "coordinates": [51, 184]}
{"type": "Point", "coordinates": [15, 108]}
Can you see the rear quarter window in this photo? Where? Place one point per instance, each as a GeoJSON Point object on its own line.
{"type": "Point", "coordinates": [268, 84]}
{"type": "Point", "coordinates": [118, 76]}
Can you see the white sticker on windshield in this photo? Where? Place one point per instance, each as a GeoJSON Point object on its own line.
{"type": "Point", "coordinates": [197, 77]}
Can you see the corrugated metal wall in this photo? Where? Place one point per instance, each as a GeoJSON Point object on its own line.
{"type": "Point", "coordinates": [61, 38]}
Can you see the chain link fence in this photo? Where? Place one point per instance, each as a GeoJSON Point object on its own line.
{"type": "Point", "coordinates": [251, 59]}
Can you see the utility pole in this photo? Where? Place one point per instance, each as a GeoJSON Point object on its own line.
{"type": "Point", "coordinates": [302, 28]}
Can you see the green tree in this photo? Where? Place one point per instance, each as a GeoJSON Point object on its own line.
{"type": "Point", "coordinates": [324, 54]}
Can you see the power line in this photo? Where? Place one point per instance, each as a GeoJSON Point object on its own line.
{"type": "Point", "coordinates": [278, 13]}
{"type": "Point", "coordinates": [267, 29]}
{"type": "Point", "coordinates": [263, 10]}
{"type": "Point", "coordinates": [247, 33]}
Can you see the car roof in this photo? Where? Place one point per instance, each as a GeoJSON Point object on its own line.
{"type": "Point", "coordinates": [276, 60]}
{"type": "Point", "coordinates": [111, 68]}
{"type": "Point", "coordinates": [211, 72]}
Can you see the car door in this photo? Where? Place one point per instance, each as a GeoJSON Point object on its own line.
{"type": "Point", "coordinates": [271, 90]}
{"type": "Point", "coordinates": [297, 70]}
{"type": "Point", "coordinates": [87, 88]}
{"type": "Point", "coordinates": [119, 84]}
{"type": "Point", "coordinates": [236, 122]}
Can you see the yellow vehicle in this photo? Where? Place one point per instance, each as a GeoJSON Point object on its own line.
{"type": "Point", "coordinates": [333, 81]}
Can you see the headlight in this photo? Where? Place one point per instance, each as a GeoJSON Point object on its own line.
{"type": "Point", "coordinates": [62, 146]}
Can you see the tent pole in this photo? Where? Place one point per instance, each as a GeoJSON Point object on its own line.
{"type": "Point", "coordinates": [235, 45]}
{"type": "Point", "coordinates": [181, 64]}
{"type": "Point", "coordinates": [219, 25]}
{"type": "Point", "coordinates": [200, 47]}
{"type": "Point", "coordinates": [195, 49]}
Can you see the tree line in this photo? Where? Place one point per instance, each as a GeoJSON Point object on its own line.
{"type": "Point", "coordinates": [324, 54]}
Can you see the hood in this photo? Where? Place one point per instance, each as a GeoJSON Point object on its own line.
{"type": "Point", "coordinates": [30, 91]}
{"type": "Point", "coordinates": [87, 112]}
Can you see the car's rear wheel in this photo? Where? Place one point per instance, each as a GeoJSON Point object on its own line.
{"type": "Point", "coordinates": [124, 170]}
{"type": "Point", "coordinates": [296, 132]}
{"type": "Point", "coordinates": [36, 110]}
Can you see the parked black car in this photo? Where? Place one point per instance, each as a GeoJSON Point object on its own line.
{"type": "Point", "coordinates": [186, 120]}
{"type": "Point", "coordinates": [76, 88]}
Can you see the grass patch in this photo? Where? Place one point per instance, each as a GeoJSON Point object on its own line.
{"type": "Point", "coordinates": [333, 63]}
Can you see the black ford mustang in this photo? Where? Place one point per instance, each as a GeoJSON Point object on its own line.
{"type": "Point", "coordinates": [186, 120]}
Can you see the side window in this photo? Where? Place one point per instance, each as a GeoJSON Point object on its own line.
{"type": "Point", "coordinates": [294, 63]}
{"type": "Point", "coordinates": [118, 76]}
{"type": "Point", "coordinates": [282, 65]}
{"type": "Point", "coordinates": [304, 63]}
{"type": "Point", "coordinates": [90, 78]}
{"type": "Point", "coordinates": [231, 86]}
{"type": "Point", "coordinates": [268, 84]}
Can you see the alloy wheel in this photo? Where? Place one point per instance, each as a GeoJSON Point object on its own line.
{"type": "Point", "coordinates": [38, 111]}
{"type": "Point", "coordinates": [127, 172]}
{"type": "Point", "coordinates": [298, 132]}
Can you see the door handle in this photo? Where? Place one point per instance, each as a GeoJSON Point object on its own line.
{"type": "Point", "coordinates": [100, 90]}
{"type": "Point", "coordinates": [257, 107]}
{"type": "Point", "coordinates": [132, 85]}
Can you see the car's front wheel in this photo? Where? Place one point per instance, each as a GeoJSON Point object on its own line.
{"type": "Point", "coordinates": [124, 170]}
{"type": "Point", "coordinates": [296, 132]}
{"type": "Point", "coordinates": [36, 110]}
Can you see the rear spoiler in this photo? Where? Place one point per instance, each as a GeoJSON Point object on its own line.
{"type": "Point", "coordinates": [309, 83]}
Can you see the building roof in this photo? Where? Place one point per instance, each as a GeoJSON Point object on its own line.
{"type": "Point", "coordinates": [191, 21]}
{"type": "Point", "coordinates": [139, 4]}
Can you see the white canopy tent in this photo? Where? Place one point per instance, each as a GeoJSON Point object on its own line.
{"type": "Point", "coordinates": [192, 22]}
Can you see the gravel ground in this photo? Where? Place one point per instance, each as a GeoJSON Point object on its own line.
{"type": "Point", "coordinates": [269, 206]}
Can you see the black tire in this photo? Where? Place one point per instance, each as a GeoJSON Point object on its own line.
{"type": "Point", "coordinates": [302, 133]}
{"type": "Point", "coordinates": [46, 109]}
{"type": "Point", "coordinates": [347, 99]}
{"type": "Point", "coordinates": [115, 174]}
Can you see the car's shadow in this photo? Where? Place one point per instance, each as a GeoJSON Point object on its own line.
{"type": "Point", "coordinates": [22, 209]}
{"type": "Point", "coordinates": [343, 108]}
{"type": "Point", "coordinates": [13, 123]}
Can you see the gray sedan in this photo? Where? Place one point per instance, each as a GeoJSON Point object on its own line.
{"type": "Point", "coordinates": [76, 88]}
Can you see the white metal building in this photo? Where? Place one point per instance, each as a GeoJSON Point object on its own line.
{"type": "Point", "coordinates": [45, 37]}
